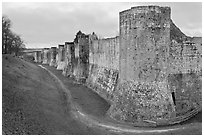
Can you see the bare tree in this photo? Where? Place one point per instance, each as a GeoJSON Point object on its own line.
{"type": "Point", "coordinates": [11, 42]}
{"type": "Point", "coordinates": [6, 25]}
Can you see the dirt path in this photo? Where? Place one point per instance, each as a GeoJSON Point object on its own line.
{"type": "Point", "coordinates": [82, 96]}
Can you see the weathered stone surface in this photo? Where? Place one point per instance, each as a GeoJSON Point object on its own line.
{"type": "Point", "coordinates": [103, 65]}
{"type": "Point", "coordinates": [185, 72]}
{"type": "Point", "coordinates": [142, 92]}
{"type": "Point", "coordinates": [61, 58]}
{"type": "Point", "coordinates": [45, 55]}
{"type": "Point", "coordinates": [137, 102]}
{"type": "Point", "coordinates": [105, 52]}
{"type": "Point", "coordinates": [53, 56]}
{"type": "Point", "coordinates": [187, 88]}
{"type": "Point", "coordinates": [151, 73]}
{"type": "Point", "coordinates": [81, 61]}
{"type": "Point", "coordinates": [57, 58]}
{"type": "Point", "coordinates": [49, 56]}
{"type": "Point", "coordinates": [42, 55]}
{"type": "Point", "coordinates": [144, 43]}
{"type": "Point", "coordinates": [102, 80]}
{"type": "Point", "coordinates": [185, 56]}
{"type": "Point", "coordinates": [37, 57]}
{"type": "Point", "coordinates": [69, 59]}
{"type": "Point", "coordinates": [160, 69]}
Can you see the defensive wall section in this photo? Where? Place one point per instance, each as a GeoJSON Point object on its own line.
{"type": "Point", "coordinates": [53, 52]}
{"type": "Point", "coordinates": [37, 57]}
{"type": "Point", "coordinates": [144, 43]}
{"type": "Point", "coordinates": [61, 58]}
{"type": "Point", "coordinates": [45, 55]}
{"type": "Point", "coordinates": [81, 62]}
{"type": "Point", "coordinates": [69, 59]}
{"type": "Point", "coordinates": [103, 66]}
{"type": "Point", "coordinates": [150, 73]}
{"type": "Point", "coordinates": [185, 71]}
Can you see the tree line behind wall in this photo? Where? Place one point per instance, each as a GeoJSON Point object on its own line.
{"type": "Point", "coordinates": [11, 42]}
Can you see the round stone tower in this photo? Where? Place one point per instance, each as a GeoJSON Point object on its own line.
{"type": "Point", "coordinates": [144, 43]}
{"type": "Point", "coordinates": [142, 94]}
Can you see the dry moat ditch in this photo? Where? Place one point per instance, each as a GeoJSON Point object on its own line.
{"type": "Point", "coordinates": [95, 114]}
{"type": "Point", "coordinates": [33, 102]}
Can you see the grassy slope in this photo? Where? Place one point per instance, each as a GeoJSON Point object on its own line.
{"type": "Point", "coordinates": [16, 99]}
{"type": "Point", "coordinates": [32, 102]}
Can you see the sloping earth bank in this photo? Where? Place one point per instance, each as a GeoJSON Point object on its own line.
{"type": "Point", "coordinates": [33, 103]}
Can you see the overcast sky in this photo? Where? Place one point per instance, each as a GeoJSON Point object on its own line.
{"type": "Point", "coordinates": [50, 24]}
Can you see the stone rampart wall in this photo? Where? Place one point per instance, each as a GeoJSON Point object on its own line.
{"type": "Point", "coordinates": [150, 73]}
{"type": "Point", "coordinates": [103, 66]}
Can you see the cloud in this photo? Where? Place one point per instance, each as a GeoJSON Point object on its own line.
{"type": "Point", "coordinates": [192, 32]}
{"type": "Point", "coordinates": [47, 23]}
{"type": "Point", "coordinates": [51, 22]}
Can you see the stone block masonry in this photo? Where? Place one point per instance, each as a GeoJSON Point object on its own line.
{"type": "Point", "coordinates": [49, 56]}
{"type": "Point", "coordinates": [45, 56]}
{"type": "Point", "coordinates": [37, 57]}
{"type": "Point", "coordinates": [160, 69]}
{"type": "Point", "coordinates": [185, 71]}
{"type": "Point", "coordinates": [69, 59]}
{"type": "Point", "coordinates": [53, 54]}
{"type": "Point", "coordinates": [61, 58]}
{"type": "Point", "coordinates": [81, 62]}
{"type": "Point", "coordinates": [150, 73]}
{"type": "Point", "coordinates": [144, 43]}
{"type": "Point", "coordinates": [144, 46]}
{"type": "Point", "coordinates": [103, 65]}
